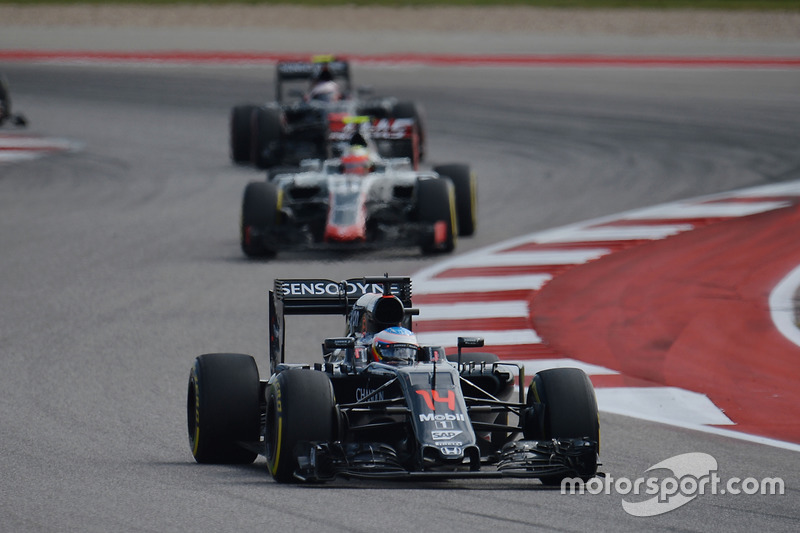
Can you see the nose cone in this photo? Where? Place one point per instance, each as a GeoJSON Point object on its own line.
{"type": "Point", "coordinates": [353, 233]}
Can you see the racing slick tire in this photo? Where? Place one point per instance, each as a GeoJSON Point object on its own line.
{"type": "Point", "coordinates": [409, 109]}
{"type": "Point", "coordinates": [436, 207]}
{"type": "Point", "coordinates": [241, 133]}
{"type": "Point", "coordinates": [466, 186]}
{"type": "Point", "coordinates": [222, 408]}
{"type": "Point", "coordinates": [266, 138]}
{"type": "Point", "coordinates": [300, 409]}
{"type": "Point", "coordinates": [260, 212]}
{"type": "Point", "coordinates": [570, 410]}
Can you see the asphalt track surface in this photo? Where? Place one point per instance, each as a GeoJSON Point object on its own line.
{"type": "Point", "coordinates": [120, 264]}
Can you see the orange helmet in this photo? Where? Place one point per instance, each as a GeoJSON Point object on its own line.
{"type": "Point", "coordinates": [357, 161]}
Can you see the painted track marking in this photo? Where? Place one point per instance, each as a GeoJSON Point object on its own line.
{"type": "Point", "coordinates": [463, 279]}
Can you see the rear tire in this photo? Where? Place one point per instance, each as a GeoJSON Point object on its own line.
{"type": "Point", "coordinates": [300, 409]}
{"type": "Point", "coordinates": [436, 207]}
{"type": "Point", "coordinates": [259, 215]}
{"type": "Point", "coordinates": [466, 186]}
{"type": "Point", "coordinates": [570, 411]}
{"type": "Point", "coordinates": [241, 133]}
{"type": "Point", "coordinates": [222, 408]}
{"type": "Point", "coordinates": [410, 109]}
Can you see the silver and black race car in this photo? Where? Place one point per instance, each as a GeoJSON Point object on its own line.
{"type": "Point", "coordinates": [6, 114]}
{"type": "Point", "coordinates": [299, 125]}
{"type": "Point", "coordinates": [349, 414]}
{"type": "Point", "coordinates": [323, 206]}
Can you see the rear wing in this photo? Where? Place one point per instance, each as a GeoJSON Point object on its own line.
{"type": "Point", "coordinates": [322, 297]}
{"type": "Point", "coordinates": [339, 70]}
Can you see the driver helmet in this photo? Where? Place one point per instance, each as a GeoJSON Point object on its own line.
{"type": "Point", "coordinates": [325, 91]}
{"type": "Point", "coordinates": [395, 345]}
{"type": "Point", "coordinates": [356, 161]}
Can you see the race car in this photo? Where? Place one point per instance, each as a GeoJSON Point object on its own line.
{"type": "Point", "coordinates": [306, 119]}
{"type": "Point", "coordinates": [6, 114]}
{"type": "Point", "coordinates": [355, 201]}
{"type": "Point", "coordinates": [377, 405]}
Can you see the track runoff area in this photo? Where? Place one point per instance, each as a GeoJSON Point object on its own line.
{"type": "Point", "coordinates": [681, 313]}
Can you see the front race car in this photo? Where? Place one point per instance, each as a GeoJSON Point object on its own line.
{"type": "Point", "coordinates": [354, 415]}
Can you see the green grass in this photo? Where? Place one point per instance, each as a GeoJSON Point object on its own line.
{"type": "Point", "coordinates": [647, 4]}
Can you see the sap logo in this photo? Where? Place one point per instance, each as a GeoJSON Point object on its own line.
{"type": "Point", "coordinates": [445, 435]}
{"type": "Point", "coordinates": [439, 417]}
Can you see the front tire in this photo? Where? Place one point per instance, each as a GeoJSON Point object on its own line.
{"type": "Point", "coordinates": [260, 212]}
{"type": "Point", "coordinates": [570, 411]}
{"type": "Point", "coordinates": [241, 133]}
{"type": "Point", "coordinates": [300, 410]}
{"type": "Point", "coordinates": [222, 408]}
{"type": "Point", "coordinates": [466, 187]}
{"type": "Point", "coordinates": [436, 208]}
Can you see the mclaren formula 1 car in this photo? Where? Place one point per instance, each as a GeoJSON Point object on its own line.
{"type": "Point", "coordinates": [433, 415]}
{"type": "Point", "coordinates": [6, 115]}
{"type": "Point", "coordinates": [303, 123]}
{"type": "Point", "coordinates": [326, 205]}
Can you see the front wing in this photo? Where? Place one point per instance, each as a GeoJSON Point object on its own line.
{"type": "Point", "coordinates": [557, 458]}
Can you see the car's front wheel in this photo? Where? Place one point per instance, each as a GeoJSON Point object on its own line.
{"type": "Point", "coordinates": [569, 411]}
{"type": "Point", "coordinates": [300, 410]}
{"type": "Point", "coordinates": [260, 213]}
{"type": "Point", "coordinates": [241, 133]}
{"type": "Point", "coordinates": [436, 208]}
{"type": "Point", "coordinates": [222, 408]}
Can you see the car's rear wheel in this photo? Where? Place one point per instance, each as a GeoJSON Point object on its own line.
{"type": "Point", "coordinates": [241, 133]}
{"type": "Point", "coordinates": [436, 207]}
{"type": "Point", "coordinates": [222, 408]}
{"type": "Point", "coordinates": [300, 410]}
{"type": "Point", "coordinates": [466, 187]}
{"type": "Point", "coordinates": [567, 398]}
{"type": "Point", "coordinates": [409, 109]}
{"type": "Point", "coordinates": [260, 213]}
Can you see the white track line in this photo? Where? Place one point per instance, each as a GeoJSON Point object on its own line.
{"type": "Point", "coordinates": [491, 338]}
{"type": "Point", "coordinates": [481, 284]}
{"type": "Point", "coordinates": [467, 310]}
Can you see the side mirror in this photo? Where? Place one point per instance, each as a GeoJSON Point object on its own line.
{"type": "Point", "coordinates": [470, 342]}
{"type": "Point", "coordinates": [340, 343]}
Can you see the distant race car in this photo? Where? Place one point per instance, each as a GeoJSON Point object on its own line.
{"type": "Point", "coordinates": [6, 114]}
{"type": "Point", "coordinates": [358, 201]}
{"type": "Point", "coordinates": [375, 408]}
{"type": "Point", "coordinates": [305, 120]}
